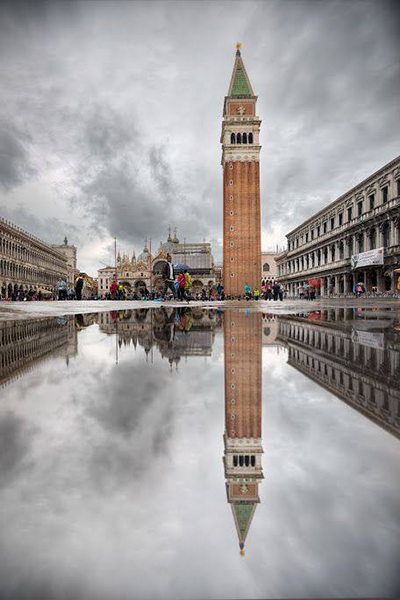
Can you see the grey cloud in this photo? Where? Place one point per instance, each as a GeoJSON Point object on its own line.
{"type": "Point", "coordinates": [15, 443]}
{"type": "Point", "coordinates": [15, 165]}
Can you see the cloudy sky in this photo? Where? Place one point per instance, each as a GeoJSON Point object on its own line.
{"type": "Point", "coordinates": [110, 113]}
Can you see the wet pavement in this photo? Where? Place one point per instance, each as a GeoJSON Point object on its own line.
{"type": "Point", "coordinates": [196, 452]}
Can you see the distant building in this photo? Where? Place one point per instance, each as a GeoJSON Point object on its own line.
{"type": "Point", "coordinates": [269, 268]}
{"type": "Point", "coordinates": [354, 239]}
{"type": "Point", "coordinates": [27, 263]}
{"type": "Point", "coordinates": [145, 271]}
{"type": "Point", "coordinates": [70, 254]}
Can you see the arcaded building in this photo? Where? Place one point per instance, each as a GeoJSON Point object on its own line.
{"type": "Point", "coordinates": [354, 239]}
{"type": "Point", "coordinates": [27, 263]}
{"type": "Point", "coordinates": [241, 184]}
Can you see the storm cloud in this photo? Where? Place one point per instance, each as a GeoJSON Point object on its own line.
{"type": "Point", "coordinates": [112, 117]}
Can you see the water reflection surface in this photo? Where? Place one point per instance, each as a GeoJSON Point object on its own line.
{"type": "Point", "coordinates": [110, 460]}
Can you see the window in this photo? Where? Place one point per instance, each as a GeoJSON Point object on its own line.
{"type": "Point", "coordinates": [306, 238]}
{"type": "Point", "coordinates": [244, 138]}
{"type": "Point", "coordinates": [340, 219]}
{"type": "Point", "coordinates": [385, 195]}
{"type": "Point", "coordinates": [371, 201]}
{"type": "Point", "coordinates": [297, 242]}
{"type": "Point", "coordinates": [386, 235]}
{"type": "Point", "coordinates": [350, 213]}
{"type": "Point", "coordinates": [250, 138]}
{"type": "Point", "coordinates": [361, 243]}
{"type": "Point", "coordinates": [372, 239]}
{"type": "Point", "coordinates": [265, 267]}
{"type": "Point", "coordinates": [359, 209]}
{"type": "Point", "coordinates": [231, 166]}
{"type": "Point", "coordinates": [325, 226]}
{"type": "Point", "coordinates": [398, 187]}
{"type": "Point", "coordinates": [312, 234]}
{"type": "Point", "coordinates": [318, 231]}
{"type": "Point", "coordinates": [233, 140]}
{"type": "Point", "coordinates": [239, 138]}
{"type": "Point", "coordinates": [333, 223]}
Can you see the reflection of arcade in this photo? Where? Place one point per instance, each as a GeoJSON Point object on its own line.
{"type": "Point", "coordinates": [23, 344]}
{"type": "Point", "coordinates": [356, 360]}
{"type": "Point", "coordinates": [176, 332]}
{"type": "Point", "coordinates": [242, 437]}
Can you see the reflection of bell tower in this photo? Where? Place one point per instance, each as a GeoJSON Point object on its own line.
{"type": "Point", "coordinates": [242, 437]}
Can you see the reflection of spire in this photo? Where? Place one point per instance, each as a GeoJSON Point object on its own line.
{"type": "Point", "coordinates": [169, 239]}
{"type": "Point", "coordinates": [175, 240]}
{"type": "Point", "coordinates": [242, 437]}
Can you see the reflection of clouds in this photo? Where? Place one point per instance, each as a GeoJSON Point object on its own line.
{"type": "Point", "coordinates": [124, 496]}
{"type": "Point", "coordinates": [15, 440]}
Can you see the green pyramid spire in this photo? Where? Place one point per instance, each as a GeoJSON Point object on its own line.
{"type": "Point", "coordinates": [243, 513]}
{"type": "Point", "coordinates": [240, 82]}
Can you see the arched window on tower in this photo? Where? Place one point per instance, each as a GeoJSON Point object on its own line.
{"type": "Point", "coordinates": [239, 138]}
{"type": "Point", "coordinates": [244, 138]}
{"type": "Point", "coordinates": [233, 139]}
{"type": "Point", "coordinates": [250, 138]}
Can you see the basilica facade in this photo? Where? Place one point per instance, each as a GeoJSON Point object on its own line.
{"type": "Point", "coordinates": [145, 271]}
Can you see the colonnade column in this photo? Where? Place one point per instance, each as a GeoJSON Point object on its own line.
{"type": "Point", "coordinates": [346, 283]}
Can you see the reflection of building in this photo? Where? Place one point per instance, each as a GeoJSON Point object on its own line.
{"type": "Point", "coordinates": [69, 252]}
{"type": "Point", "coordinates": [358, 364]}
{"type": "Point", "coordinates": [365, 218]}
{"type": "Point", "coordinates": [175, 332]}
{"type": "Point", "coordinates": [27, 263]}
{"type": "Point", "coordinates": [243, 404]}
{"type": "Point", "coordinates": [145, 271]}
{"type": "Point", "coordinates": [25, 343]}
{"type": "Point", "coordinates": [241, 187]}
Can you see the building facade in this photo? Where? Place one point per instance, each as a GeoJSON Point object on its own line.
{"type": "Point", "coordinates": [27, 263]}
{"type": "Point", "coordinates": [269, 268]}
{"type": "Point", "coordinates": [241, 184]}
{"type": "Point", "coordinates": [145, 271]}
{"type": "Point", "coordinates": [69, 252]}
{"type": "Point", "coordinates": [243, 407]}
{"type": "Point", "coordinates": [329, 249]}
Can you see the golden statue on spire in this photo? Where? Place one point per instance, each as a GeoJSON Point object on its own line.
{"type": "Point", "coordinates": [238, 46]}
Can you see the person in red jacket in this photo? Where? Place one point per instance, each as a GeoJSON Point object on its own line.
{"type": "Point", "coordinates": [181, 289]}
{"type": "Point", "coordinates": [113, 289]}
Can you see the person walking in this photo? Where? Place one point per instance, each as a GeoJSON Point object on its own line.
{"type": "Point", "coordinates": [62, 289]}
{"type": "Point", "coordinates": [256, 294]}
{"type": "Point", "coordinates": [247, 291]}
{"type": "Point", "coordinates": [78, 287]}
{"type": "Point", "coordinates": [114, 290]}
{"type": "Point", "coordinates": [275, 290]}
{"type": "Point", "coordinates": [168, 274]}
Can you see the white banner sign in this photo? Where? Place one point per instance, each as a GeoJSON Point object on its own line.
{"type": "Point", "coordinates": [367, 259]}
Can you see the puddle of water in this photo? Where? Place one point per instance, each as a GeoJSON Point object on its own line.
{"type": "Point", "coordinates": [200, 454]}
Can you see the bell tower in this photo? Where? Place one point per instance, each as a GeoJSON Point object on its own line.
{"type": "Point", "coordinates": [241, 184]}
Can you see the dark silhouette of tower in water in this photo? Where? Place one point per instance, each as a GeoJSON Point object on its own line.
{"type": "Point", "coordinates": [243, 406]}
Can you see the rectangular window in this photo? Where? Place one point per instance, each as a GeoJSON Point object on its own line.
{"type": "Point", "coordinates": [359, 209]}
{"type": "Point", "coordinates": [398, 187]}
{"type": "Point", "coordinates": [371, 201]}
{"type": "Point", "coordinates": [385, 195]}
{"type": "Point", "coordinates": [350, 213]}
{"type": "Point", "coordinates": [312, 234]}
{"type": "Point", "coordinates": [325, 226]}
{"type": "Point", "coordinates": [333, 223]}
{"type": "Point", "coordinates": [340, 219]}
{"type": "Point", "coordinates": [306, 238]}
{"type": "Point", "coordinates": [318, 231]}
{"type": "Point", "coordinates": [297, 242]}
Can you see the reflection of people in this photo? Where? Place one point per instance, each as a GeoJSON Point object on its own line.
{"type": "Point", "coordinates": [168, 274]}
